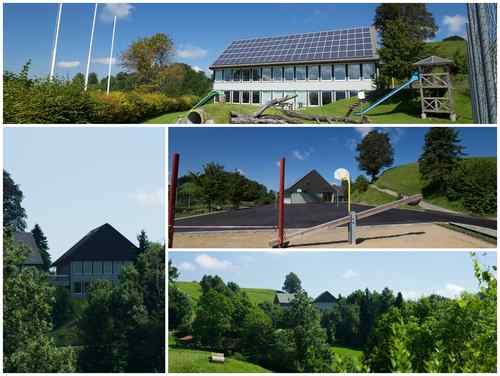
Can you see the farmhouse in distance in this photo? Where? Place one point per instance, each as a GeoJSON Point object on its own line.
{"type": "Point", "coordinates": [324, 302]}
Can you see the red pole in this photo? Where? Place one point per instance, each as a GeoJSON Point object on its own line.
{"type": "Point", "coordinates": [172, 194]}
{"type": "Point", "coordinates": [281, 206]}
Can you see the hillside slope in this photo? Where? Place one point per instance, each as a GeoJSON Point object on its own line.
{"type": "Point", "coordinates": [256, 296]}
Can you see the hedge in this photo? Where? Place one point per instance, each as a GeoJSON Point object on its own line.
{"type": "Point", "coordinates": [28, 101]}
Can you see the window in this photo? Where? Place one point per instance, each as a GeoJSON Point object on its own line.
{"type": "Point", "coordinates": [236, 97]}
{"type": "Point", "coordinates": [266, 96]}
{"type": "Point", "coordinates": [353, 94]}
{"type": "Point", "coordinates": [266, 74]}
{"type": "Point", "coordinates": [87, 267]}
{"type": "Point", "coordinates": [107, 267]}
{"type": "Point", "coordinates": [339, 72]}
{"type": "Point", "coordinates": [246, 75]}
{"type": "Point", "coordinates": [246, 97]}
{"type": "Point", "coordinates": [219, 76]}
{"type": "Point", "coordinates": [77, 287]}
{"type": "Point", "coordinates": [236, 75]}
{"type": "Point", "coordinates": [313, 72]}
{"type": "Point", "coordinates": [340, 95]}
{"type": "Point", "coordinates": [227, 95]}
{"type": "Point", "coordinates": [290, 94]}
{"type": "Point", "coordinates": [354, 71]}
{"type": "Point", "coordinates": [256, 74]}
{"type": "Point", "coordinates": [313, 98]}
{"type": "Point", "coordinates": [326, 97]}
{"type": "Point", "coordinates": [369, 71]}
{"type": "Point", "coordinates": [277, 94]}
{"type": "Point", "coordinates": [255, 97]}
{"type": "Point", "coordinates": [228, 74]}
{"type": "Point", "coordinates": [326, 72]}
{"type": "Point", "coordinates": [300, 73]}
{"type": "Point", "coordinates": [117, 267]}
{"type": "Point", "coordinates": [76, 267]}
{"type": "Point", "coordinates": [289, 73]}
{"type": "Point", "coordinates": [277, 73]}
{"type": "Point", "coordinates": [301, 99]}
{"type": "Point", "coordinates": [97, 267]}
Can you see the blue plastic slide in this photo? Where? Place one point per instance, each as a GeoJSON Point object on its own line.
{"type": "Point", "coordinates": [414, 77]}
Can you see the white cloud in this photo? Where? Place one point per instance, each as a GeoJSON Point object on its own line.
{"type": "Point", "coordinates": [302, 155]}
{"type": "Point", "coordinates": [349, 273]}
{"type": "Point", "coordinates": [241, 172]}
{"type": "Point", "coordinates": [363, 131]}
{"type": "Point", "coordinates": [197, 68]}
{"type": "Point", "coordinates": [105, 60]}
{"type": "Point", "coordinates": [209, 262]}
{"type": "Point", "coordinates": [396, 134]}
{"type": "Point", "coordinates": [68, 64]}
{"type": "Point", "coordinates": [186, 266]}
{"type": "Point", "coordinates": [411, 294]}
{"type": "Point", "coordinates": [453, 289]}
{"type": "Point", "coordinates": [192, 52]}
{"type": "Point", "coordinates": [149, 199]}
{"type": "Point", "coordinates": [455, 24]}
{"type": "Point", "coordinates": [351, 144]}
{"type": "Point", "coordinates": [119, 10]}
{"type": "Point", "coordinates": [278, 163]}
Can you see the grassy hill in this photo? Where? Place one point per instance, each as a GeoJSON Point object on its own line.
{"type": "Point", "coordinates": [406, 179]}
{"type": "Point", "coordinates": [356, 355]}
{"type": "Point", "coordinates": [256, 296]}
{"type": "Point", "coordinates": [371, 197]}
{"type": "Point", "coordinates": [446, 48]}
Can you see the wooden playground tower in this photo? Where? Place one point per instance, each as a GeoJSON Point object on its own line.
{"type": "Point", "coordinates": [435, 86]}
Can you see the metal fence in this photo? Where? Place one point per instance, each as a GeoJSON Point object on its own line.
{"type": "Point", "coordinates": [482, 55]}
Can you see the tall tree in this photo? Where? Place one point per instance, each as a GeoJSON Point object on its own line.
{"type": "Point", "coordinates": [211, 182]}
{"type": "Point", "coordinates": [292, 283]}
{"type": "Point", "coordinates": [440, 156]}
{"type": "Point", "coordinates": [79, 79]}
{"type": "Point", "coordinates": [93, 79]}
{"type": "Point", "coordinates": [143, 240]}
{"type": "Point", "coordinates": [374, 153]}
{"type": "Point", "coordinates": [43, 245]}
{"type": "Point", "coordinates": [148, 56]}
{"type": "Point", "coordinates": [173, 272]}
{"type": "Point", "coordinates": [14, 215]}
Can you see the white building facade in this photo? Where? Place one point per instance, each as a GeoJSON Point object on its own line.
{"type": "Point", "coordinates": [319, 68]}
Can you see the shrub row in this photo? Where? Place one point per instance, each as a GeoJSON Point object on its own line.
{"type": "Point", "coordinates": [40, 102]}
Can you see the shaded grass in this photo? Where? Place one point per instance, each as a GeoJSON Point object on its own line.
{"type": "Point", "coordinates": [195, 361]}
{"type": "Point", "coordinates": [256, 296]}
{"type": "Point", "coordinates": [356, 355]}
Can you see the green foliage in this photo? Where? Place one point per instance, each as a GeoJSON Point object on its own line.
{"type": "Point", "coordinates": [361, 184]}
{"type": "Point", "coordinates": [63, 309]}
{"type": "Point", "coordinates": [292, 283]}
{"type": "Point", "coordinates": [27, 346]}
{"type": "Point", "coordinates": [374, 153]}
{"type": "Point", "coordinates": [43, 245]}
{"type": "Point", "coordinates": [143, 240]}
{"type": "Point", "coordinates": [14, 215]}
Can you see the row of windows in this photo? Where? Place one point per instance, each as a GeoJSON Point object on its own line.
{"type": "Point", "coordinates": [337, 72]}
{"type": "Point", "coordinates": [82, 287]}
{"type": "Point", "coordinates": [97, 267]}
{"type": "Point", "coordinates": [304, 98]}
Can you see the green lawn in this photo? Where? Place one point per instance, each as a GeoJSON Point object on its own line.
{"type": "Point", "coordinates": [356, 355]}
{"type": "Point", "coordinates": [371, 197]}
{"type": "Point", "coordinates": [256, 296]}
{"type": "Point", "coordinates": [195, 361]}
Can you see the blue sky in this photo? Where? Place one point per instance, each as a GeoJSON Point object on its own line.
{"type": "Point", "coordinates": [256, 151]}
{"type": "Point", "coordinates": [413, 273]}
{"type": "Point", "coordinates": [200, 31]}
{"type": "Point", "coordinates": [76, 179]}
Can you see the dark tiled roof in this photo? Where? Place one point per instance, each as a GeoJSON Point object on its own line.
{"type": "Point", "coordinates": [312, 182]}
{"type": "Point", "coordinates": [27, 239]}
{"type": "Point", "coordinates": [103, 243]}
{"type": "Point", "coordinates": [325, 297]}
{"type": "Point", "coordinates": [434, 60]}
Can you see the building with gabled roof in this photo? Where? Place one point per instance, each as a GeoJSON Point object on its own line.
{"type": "Point", "coordinates": [313, 187]}
{"type": "Point", "coordinates": [27, 239]}
{"type": "Point", "coordinates": [324, 301]}
{"type": "Point", "coordinates": [101, 254]}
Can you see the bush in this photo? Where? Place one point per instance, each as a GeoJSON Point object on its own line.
{"type": "Point", "coordinates": [38, 101]}
{"type": "Point", "coordinates": [361, 184]}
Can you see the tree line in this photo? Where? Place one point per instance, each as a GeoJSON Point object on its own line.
{"type": "Point", "coordinates": [431, 334]}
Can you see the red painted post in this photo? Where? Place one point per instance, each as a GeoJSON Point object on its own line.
{"type": "Point", "coordinates": [281, 206]}
{"type": "Point", "coordinates": [172, 194]}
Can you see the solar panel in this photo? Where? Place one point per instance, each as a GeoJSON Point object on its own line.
{"type": "Point", "coordinates": [326, 45]}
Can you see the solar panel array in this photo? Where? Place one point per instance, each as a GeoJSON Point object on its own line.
{"type": "Point", "coordinates": [325, 45]}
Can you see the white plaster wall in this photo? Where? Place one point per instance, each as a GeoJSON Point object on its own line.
{"type": "Point", "coordinates": [365, 85]}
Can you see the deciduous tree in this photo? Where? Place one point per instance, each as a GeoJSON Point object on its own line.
{"type": "Point", "coordinates": [374, 153]}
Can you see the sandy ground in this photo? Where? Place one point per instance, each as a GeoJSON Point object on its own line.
{"type": "Point", "coordinates": [384, 236]}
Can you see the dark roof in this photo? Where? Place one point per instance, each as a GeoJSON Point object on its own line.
{"type": "Point", "coordinates": [27, 239]}
{"type": "Point", "coordinates": [284, 298]}
{"type": "Point", "coordinates": [325, 297]}
{"type": "Point", "coordinates": [434, 60]}
{"type": "Point", "coordinates": [357, 43]}
{"type": "Point", "coordinates": [312, 182]}
{"type": "Point", "coordinates": [337, 189]}
{"type": "Point", "coordinates": [103, 243]}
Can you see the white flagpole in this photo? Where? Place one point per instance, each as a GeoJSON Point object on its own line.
{"type": "Point", "coordinates": [90, 48]}
{"type": "Point", "coordinates": [54, 51]}
{"type": "Point", "coordinates": [111, 55]}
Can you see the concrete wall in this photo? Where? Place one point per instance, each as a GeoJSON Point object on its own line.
{"type": "Point", "coordinates": [303, 198]}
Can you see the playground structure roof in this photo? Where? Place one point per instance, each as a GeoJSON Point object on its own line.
{"type": "Point", "coordinates": [357, 43]}
{"type": "Point", "coordinates": [433, 60]}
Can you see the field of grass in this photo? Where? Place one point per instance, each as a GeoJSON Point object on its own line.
{"type": "Point", "coordinates": [356, 355]}
{"type": "Point", "coordinates": [371, 197]}
{"type": "Point", "coordinates": [256, 296]}
{"type": "Point", "coordinates": [195, 361]}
